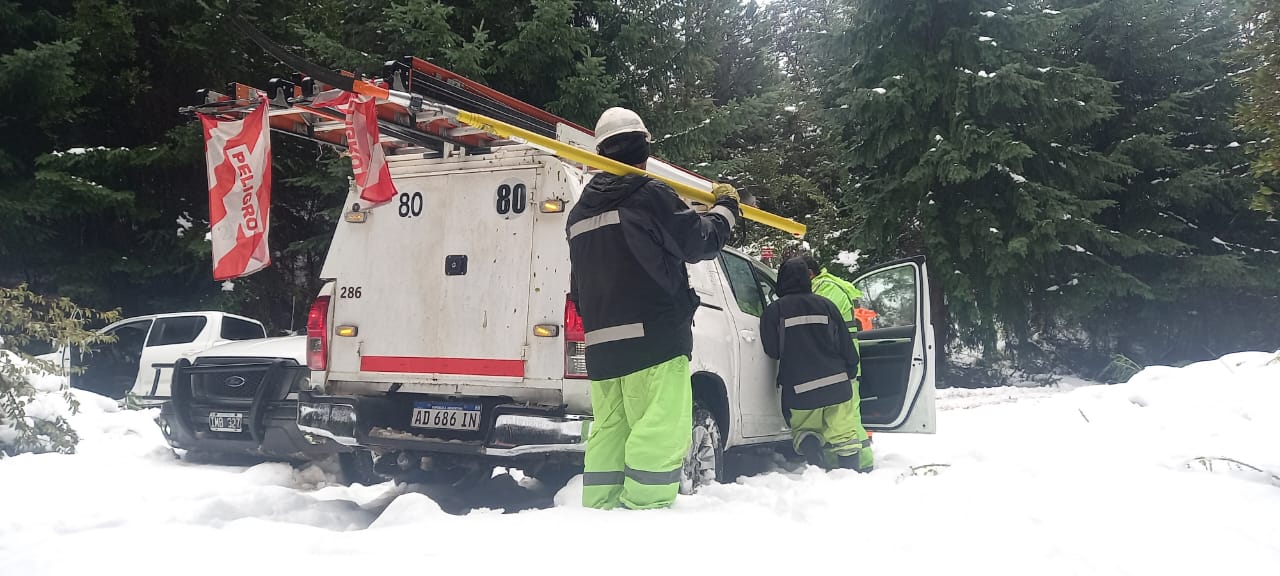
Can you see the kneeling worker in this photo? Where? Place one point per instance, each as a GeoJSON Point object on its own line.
{"type": "Point", "coordinates": [816, 365]}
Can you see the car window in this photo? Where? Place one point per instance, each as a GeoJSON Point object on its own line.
{"type": "Point", "coordinates": [743, 282]}
{"type": "Point", "coordinates": [890, 295]}
{"type": "Point", "coordinates": [767, 286]}
{"type": "Point", "coordinates": [237, 329]}
{"type": "Point", "coordinates": [179, 330]}
{"type": "Point", "coordinates": [130, 337]}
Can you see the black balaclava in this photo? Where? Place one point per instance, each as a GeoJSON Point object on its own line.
{"type": "Point", "coordinates": [629, 148]}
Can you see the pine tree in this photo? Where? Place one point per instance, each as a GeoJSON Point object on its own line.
{"type": "Point", "coordinates": [967, 144]}
{"type": "Point", "coordinates": [544, 50]}
{"type": "Point", "coordinates": [420, 28]}
{"type": "Point", "coordinates": [793, 163]}
{"type": "Point", "coordinates": [587, 92]}
{"type": "Point", "coordinates": [703, 76]}
{"type": "Point", "coordinates": [1187, 204]}
{"type": "Point", "coordinates": [103, 189]}
{"type": "Point", "coordinates": [1260, 109]}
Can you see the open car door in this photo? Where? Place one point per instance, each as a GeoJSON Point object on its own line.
{"type": "Point", "coordinates": [896, 345]}
{"type": "Point", "coordinates": [110, 368]}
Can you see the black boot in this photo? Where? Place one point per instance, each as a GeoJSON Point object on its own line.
{"type": "Point", "coordinates": [811, 449]}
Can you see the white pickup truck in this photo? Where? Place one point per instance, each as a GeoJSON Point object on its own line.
{"type": "Point", "coordinates": [140, 360]}
{"type": "Point", "coordinates": [442, 341]}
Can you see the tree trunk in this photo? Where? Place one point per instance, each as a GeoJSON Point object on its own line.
{"type": "Point", "coordinates": [941, 319]}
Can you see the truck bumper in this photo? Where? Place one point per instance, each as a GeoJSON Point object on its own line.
{"type": "Point", "coordinates": [268, 410]}
{"type": "Point", "coordinates": [507, 431]}
{"type": "Point", "coordinates": [280, 436]}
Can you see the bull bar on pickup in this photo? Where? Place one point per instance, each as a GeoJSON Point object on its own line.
{"type": "Point", "coordinates": [263, 390]}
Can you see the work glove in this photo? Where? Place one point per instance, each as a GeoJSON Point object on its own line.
{"type": "Point", "coordinates": [722, 190]}
{"type": "Point", "coordinates": [727, 199]}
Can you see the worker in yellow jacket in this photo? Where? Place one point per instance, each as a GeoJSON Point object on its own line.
{"type": "Point", "coordinates": [839, 291]}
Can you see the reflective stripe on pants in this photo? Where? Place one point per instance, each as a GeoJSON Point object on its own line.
{"type": "Point", "coordinates": [840, 429]}
{"type": "Point", "coordinates": [602, 479]}
{"type": "Point", "coordinates": [638, 441]}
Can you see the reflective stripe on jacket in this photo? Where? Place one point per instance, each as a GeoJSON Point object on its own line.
{"type": "Point", "coordinates": [629, 240]}
{"type": "Point", "coordinates": [804, 331]}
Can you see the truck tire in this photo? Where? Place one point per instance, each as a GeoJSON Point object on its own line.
{"type": "Point", "coordinates": [705, 463]}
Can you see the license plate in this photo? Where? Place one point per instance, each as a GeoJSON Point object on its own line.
{"type": "Point", "coordinates": [446, 415]}
{"type": "Point", "coordinates": [226, 421]}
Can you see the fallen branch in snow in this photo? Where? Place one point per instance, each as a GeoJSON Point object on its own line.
{"type": "Point", "coordinates": [1120, 369]}
{"type": "Point", "coordinates": [1232, 465]}
{"type": "Point", "coordinates": [923, 470]}
{"type": "Point", "coordinates": [1086, 418]}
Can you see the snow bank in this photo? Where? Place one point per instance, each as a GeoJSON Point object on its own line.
{"type": "Point", "coordinates": [1077, 479]}
{"type": "Point", "coordinates": [102, 426]}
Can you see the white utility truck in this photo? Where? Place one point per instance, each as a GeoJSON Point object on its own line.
{"type": "Point", "coordinates": [443, 343]}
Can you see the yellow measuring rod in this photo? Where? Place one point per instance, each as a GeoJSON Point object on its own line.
{"type": "Point", "coordinates": [570, 152]}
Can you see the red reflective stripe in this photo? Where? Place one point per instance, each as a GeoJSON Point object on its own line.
{"type": "Point", "coordinates": [419, 365]}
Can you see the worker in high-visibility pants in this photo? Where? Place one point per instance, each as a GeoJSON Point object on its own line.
{"type": "Point", "coordinates": [817, 364]}
{"type": "Point", "coordinates": [833, 437]}
{"type": "Point", "coordinates": [633, 295]}
{"type": "Point", "coordinates": [845, 296]}
{"type": "Point", "coordinates": [642, 423]}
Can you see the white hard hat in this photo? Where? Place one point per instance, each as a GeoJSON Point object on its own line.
{"type": "Point", "coordinates": [615, 121]}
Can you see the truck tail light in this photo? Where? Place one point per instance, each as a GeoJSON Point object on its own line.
{"type": "Point", "coordinates": [318, 334]}
{"type": "Point", "coordinates": [575, 342]}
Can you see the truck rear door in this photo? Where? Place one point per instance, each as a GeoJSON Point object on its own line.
{"type": "Point", "coordinates": [441, 286]}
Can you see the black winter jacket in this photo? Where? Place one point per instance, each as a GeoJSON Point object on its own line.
{"type": "Point", "coordinates": [629, 240]}
{"type": "Point", "coordinates": [805, 332]}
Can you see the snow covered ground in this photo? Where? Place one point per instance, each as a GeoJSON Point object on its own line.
{"type": "Point", "coordinates": [1079, 480]}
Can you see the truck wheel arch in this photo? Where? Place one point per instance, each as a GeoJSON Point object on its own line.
{"type": "Point", "coordinates": [711, 390]}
